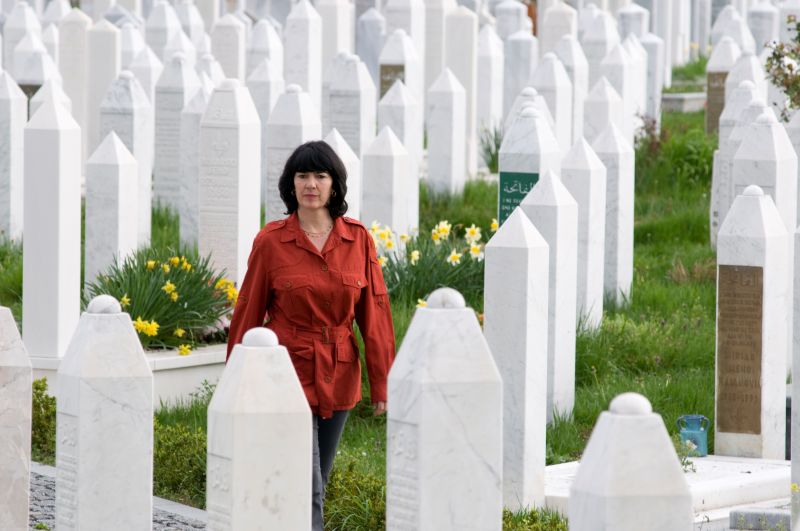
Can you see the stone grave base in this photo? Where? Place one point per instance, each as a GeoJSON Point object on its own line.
{"type": "Point", "coordinates": [720, 485]}
{"type": "Point", "coordinates": [175, 377]}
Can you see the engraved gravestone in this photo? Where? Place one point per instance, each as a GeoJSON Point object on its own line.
{"type": "Point", "coordinates": [722, 59]}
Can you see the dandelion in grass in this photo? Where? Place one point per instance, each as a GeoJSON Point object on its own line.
{"type": "Point", "coordinates": [168, 288]}
{"type": "Point", "coordinates": [415, 254]}
{"type": "Point", "coordinates": [382, 260]}
{"type": "Point", "coordinates": [125, 301]}
{"type": "Point", "coordinates": [404, 237]}
{"type": "Point", "coordinates": [184, 350]}
{"type": "Point", "coordinates": [495, 225]}
{"type": "Point", "coordinates": [174, 261]}
{"type": "Point", "coordinates": [421, 303]}
{"type": "Point", "coordinates": [165, 268]}
{"type": "Point", "coordinates": [174, 296]}
{"type": "Point", "coordinates": [151, 265]}
{"type": "Point", "coordinates": [476, 252]}
{"type": "Point", "coordinates": [179, 332]}
{"type": "Point", "coordinates": [473, 234]}
{"type": "Point", "coordinates": [454, 259]}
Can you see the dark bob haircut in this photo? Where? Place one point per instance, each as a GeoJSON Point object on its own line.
{"type": "Point", "coordinates": [315, 156]}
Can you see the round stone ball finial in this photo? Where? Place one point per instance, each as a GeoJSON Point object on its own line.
{"type": "Point", "coordinates": [529, 92]}
{"type": "Point", "coordinates": [126, 74]}
{"type": "Point", "coordinates": [446, 298]}
{"type": "Point", "coordinates": [179, 57]}
{"type": "Point", "coordinates": [260, 337]}
{"type": "Point", "coordinates": [530, 111]}
{"type": "Point", "coordinates": [104, 304]}
{"type": "Point", "coordinates": [747, 84]}
{"type": "Point", "coordinates": [630, 404]}
{"type": "Point", "coordinates": [753, 189]}
{"type": "Point", "coordinates": [293, 89]}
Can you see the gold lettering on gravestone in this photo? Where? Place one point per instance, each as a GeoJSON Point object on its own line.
{"type": "Point", "coordinates": [716, 99]}
{"type": "Point", "coordinates": [739, 320]}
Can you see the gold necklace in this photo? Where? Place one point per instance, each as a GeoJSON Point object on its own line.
{"type": "Point", "coordinates": [317, 234]}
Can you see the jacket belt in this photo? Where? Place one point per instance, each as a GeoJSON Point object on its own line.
{"type": "Point", "coordinates": [325, 334]}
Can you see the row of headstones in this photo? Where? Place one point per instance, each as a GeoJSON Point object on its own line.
{"type": "Point", "coordinates": [444, 467]}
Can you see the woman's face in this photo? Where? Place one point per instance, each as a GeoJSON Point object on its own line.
{"type": "Point", "coordinates": [312, 189]}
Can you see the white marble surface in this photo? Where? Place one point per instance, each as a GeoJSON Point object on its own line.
{"type": "Point", "coordinates": [147, 68]}
{"type": "Point", "coordinates": [763, 22]}
{"type": "Point", "coordinates": [617, 156]}
{"type": "Point", "coordinates": [638, 55]}
{"type": "Point", "coordinates": [265, 43]}
{"type": "Point", "coordinates": [103, 59]}
{"type": "Point", "coordinates": [189, 204]}
{"type": "Point", "coordinates": [388, 189]}
{"type": "Point", "coordinates": [228, 46]}
{"type": "Point", "coordinates": [554, 213]}
{"type": "Point", "coordinates": [753, 235]}
{"type": "Point", "coordinates": [293, 121]}
{"type": "Point", "coordinates": [551, 81]}
{"type": "Point", "coordinates": [661, 24]}
{"type": "Point", "coordinates": [461, 58]}
{"type": "Point", "coordinates": [630, 477]}
{"type": "Point", "coordinates": [569, 51]}
{"type": "Point", "coordinates": [399, 60]}
{"type": "Point", "coordinates": [655, 74]}
{"type": "Point", "coordinates": [400, 110]}
{"type": "Point", "coordinates": [559, 20]}
{"type": "Point", "coordinates": [352, 165]}
{"type": "Point", "coordinates": [617, 67]}
{"type": "Point", "coordinates": [603, 105]}
{"type": "Point", "coordinates": [521, 53]}
{"type": "Point", "coordinates": [435, 37]}
{"type": "Point", "coordinates": [209, 66]}
{"type": "Point", "coordinates": [409, 16]}
{"type": "Point", "coordinates": [20, 21]}
{"type": "Point", "coordinates": [634, 19]}
{"type": "Point", "coordinates": [746, 68]}
{"type": "Point", "coordinates": [50, 41]}
{"type": "Point", "coordinates": [338, 19]}
{"type": "Point", "coordinates": [13, 116]}
{"type": "Point", "coordinates": [370, 34]}
{"type": "Point", "coordinates": [597, 41]}
{"type": "Point", "coordinates": [176, 87]}
{"type": "Point", "coordinates": [131, 44]}
{"type": "Point", "coordinates": [15, 425]}
{"type": "Point", "coordinates": [722, 59]}
{"type": "Point", "coordinates": [259, 404]}
{"type": "Point", "coordinates": [265, 84]}
{"type": "Point", "coordinates": [161, 25]}
{"type": "Point", "coordinates": [191, 20]}
{"type": "Point", "coordinates": [127, 111]}
{"type": "Point", "coordinates": [444, 427]}
{"type": "Point", "coordinates": [584, 176]}
{"type": "Point", "coordinates": [302, 49]}
{"type": "Point", "coordinates": [51, 261]}
{"type": "Point", "coordinates": [55, 11]}
{"type": "Point", "coordinates": [72, 35]}
{"type": "Point", "coordinates": [446, 125]}
{"type": "Point", "coordinates": [229, 186]}
{"type": "Point", "coordinates": [104, 425]}
{"type": "Point", "coordinates": [489, 89]}
{"type": "Point", "coordinates": [510, 16]}
{"type": "Point", "coordinates": [737, 29]}
{"type": "Point", "coordinates": [515, 326]}
{"type": "Point", "coordinates": [112, 206]}
{"type": "Point", "coordinates": [740, 97]}
{"type": "Point", "coordinates": [352, 100]}
{"type": "Point", "coordinates": [529, 97]}
{"type": "Point", "coordinates": [180, 43]}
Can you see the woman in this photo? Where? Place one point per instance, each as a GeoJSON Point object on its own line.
{"type": "Point", "coordinates": [311, 274]}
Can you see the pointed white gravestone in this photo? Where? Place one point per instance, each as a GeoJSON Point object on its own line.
{"type": "Point", "coordinates": [550, 79]}
{"type": "Point", "coordinates": [50, 41]}
{"type": "Point", "coordinates": [50, 90]}
{"type": "Point", "coordinates": [597, 42]}
{"type": "Point", "coordinates": [228, 46]}
{"type": "Point", "coordinates": [148, 69]}
{"type": "Point", "coordinates": [399, 60]}
{"type": "Point", "coordinates": [445, 118]}
{"type": "Point", "coordinates": [302, 48]}
{"type": "Point", "coordinates": [638, 56]}
{"type": "Point", "coordinates": [654, 46]}
{"type": "Point", "coordinates": [264, 44]}
{"type": "Point", "coordinates": [570, 52]}
{"type": "Point", "coordinates": [722, 59]}
{"type": "Point", "coordinates": [112, 210]}
{"type": "Point", "coordinates": [763, 21]}
{"type": "Point", "coordinates": [103, 48]}
{"type": "Point", "coordinates": [104, 411]}
{"type": "Point", "coordinates": [409, 16]}
{"type": "Point", "coordinates": [721, 21]}
{"type": "Point", "coordinates": [16, 380]}
{"type": "Point", "coordinates": [461, 58]}
{"type": "Point", "coordinates": [529, 97]}
{"type": "Point", "coordinates": [529, 149]}
{"type": "Point", "coordinates": [338, 17]}
{"type": "Point", "coordinates": [21, 22]}
{"type": "Point", "coordinates": [603, 105]}
{"type": "Point", "coordinates": [175, 88]}
{"type": "Point", "coordinates": [72, 37]}
{"type": "Point", "coordinates": [353, 167]}
{"type": "Point", "coordinates": [191, 21]}
{"type": "Point", "coordinates": [229, 192]}
{"type": "Point", "coordinates": [180, 43]}
{"type": "Point", "coordinates": [387, 190]}
{"type": "Point", "coordinates": [617, 156]}
{"type": "Point", "coordinates": [55, 11]}
{"type": "Point", "coordinates": [521, 56]}
{"type": "Point", "coordinates": [560, 20]}
{"type": "Point", "coordinates": [189, 196]}
{"type": "Point", "coordinates": [617, 68]}
{"type": "Point", "coordinates": [489, 90]}
{"type": "Point", "coordinates": [746, 68]}
{"type": "Point", "coordinates": [753, 287]}
{"type": "Point", "coordinates": [400, 111]}
{"type": "Point", "coordinates": [293, 121]}
{"type": "Point", "coordinates": [517, 262]}
{"type": "Point", "coordinates": [162, 25]}
{"type": "Point", "coordinates": [127, 111]}
{"type": "Point", "coordinates": [51, 261]}
{"type": "Point", "coordinates": [737, 30]}
{"type": "Point", "coordinates": [352, 104]}
{"type": "Point", "coordinates": [210, 11]}
{"type": "Point", "coordinates": [633, 18]}
{"type": "Point", "coordinates": [266, 85]}
{"type": "Point", "coordinates": [209, 66]}
{"type": "Point", "coordinates": [334, 70]}
{"type": "Point", "coordinates": [370, 35]}
{"type": "Point", "coordinates": [131, 44]}
{"type": "Point", "coordinates": [435, 35]}
{"type": "Point", "coordinates": [584, 176]}
{"type": "Point", "coordinates": [630, 477]}
{"type": "Point", "coordinates": [259, 403]}
{"type": "Point", "coordinates": [554, 213]}
{"type": "Point", "coordinates": [13, 116]}
{"type": "Point", "coordinates": [444, 426]}
{"type": "Point", "coordinates": [511, 16]}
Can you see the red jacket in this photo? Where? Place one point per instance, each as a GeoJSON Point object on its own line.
{"type": "Point", "coordinates": [311, 299]}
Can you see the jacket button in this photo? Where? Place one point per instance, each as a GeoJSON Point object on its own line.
{"type": "Point", "coordinates": [324, 267]}
{"type": "Point", "coordinates": [359, 282]}
{"type": "Point", "coordinates": [287, 285]}
{"type": "Point", "coordinates": [327, 304]}
{"type": "Point", "coordinates": [327, 379]}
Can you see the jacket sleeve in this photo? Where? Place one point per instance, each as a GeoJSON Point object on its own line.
{"type": "Point", "coordinates": [251, 305]}
{"type": "Point", "coordinates": [374, 318]}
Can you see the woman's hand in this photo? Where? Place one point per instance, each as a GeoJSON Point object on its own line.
{"type": "Point", "coordinates": [379, 407]}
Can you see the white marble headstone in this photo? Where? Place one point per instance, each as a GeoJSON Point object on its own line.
{"type": "Point", "coordinates": [352, 104]}
{"type": "Point", "coordinates": [387, 190]}
{"type": "Point", "coordinates": [569, 51]}
{"type": "Point", "coordinates": [446, 126]}
{"type": "Point", "coordinates": [551, 81]}
{"type": "Point", "coordinates": [147, 68]}
{"type": "Point", "coordinates": [103, 48]}
{"type": "Point", "coordinates": [13, 116]}
{"type": "Point", "coordinates": [352, 165]}
{"type": "Point", "coordinates": [461, 58]}
{"type": "Point", "coordinates": [489, 90]}
{"type": "Point", "coordinates": [521, 56]}
{"type": "Point", "coordinates": [72, 35]}
{"type": "Point", "coordinates": [302, 48]}
{"type": "Point", "coordinates": [228, 46]}
{"type": "Point", "coordinates": [370, 35]}
{"type": "Point", "coordinates": [400, 111]}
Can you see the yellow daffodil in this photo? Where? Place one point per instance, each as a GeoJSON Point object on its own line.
{"type": "Point", "coordinates": [125, 301]}
{"type": "Point", "coordinates": [404, 237]}
{"type": "Point", "coordinates": [179, 332]}
{"type": "Point", "coordinates": [436, 237]}
{"type": "Point", "coordinates": [185, 265]}
{"type": "Point", "coordinates": [389, 244]}
{"type": "Point", "coordinates": [168, 288]}
{"type": "Point", "coordinates": [375, 227]}
{"type": "Point", "coordinates": [495, 225]}
{"type": "Point", "coordinates": [475, 252]}
{"type": "Point", "coordinates": [165, 268]}
{"type": "Point", "coordinates": [454, 258]}
{"type": "Point", "coordinates": [151, 264]}
{"type": "Point", "coordinates": [383, 235]}
{"type": "Point", "coordinates": [139, 325]}
{"type": "Point", "coordinates": [421, 303]}
{"type": "Point", "coordinates": [151, 329]}
{"type": "Point", "coordinates": [223, 284]}
{"type": "Point", "coordinates": [232, 293]}
{"type": "Point", "coordinates": [382, 260]}
{"type": "Point", "coordinates": [174, 296]}
{"type": "Point", "coordinates": [443, 228]}
{"type": "Point", "coordinates": [174, 261]}
{"type": "Point", "coordinates": [473, 234]}
{"type": "Point", "coordinates": [184, 350]}
{"type": "Point", "coordinates": [414, 257]}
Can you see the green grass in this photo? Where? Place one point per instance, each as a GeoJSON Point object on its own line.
{"type": "Point", "coordinates": [690, 77]}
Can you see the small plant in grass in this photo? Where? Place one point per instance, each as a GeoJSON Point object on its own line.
{"type": "Point", "coordinates": [174, 301]}
{"type": "Point", "coordinates": [685, 450]}
{"type": "Point", "coordinates": [534, 520]}
{"type": "Point", "coordinates": [11, 274]}
{"type": "Point", "coordinates": [43, 424]}
{"type": "Point", "coordinates": [179, 463]}
{"type": "Point", "coordinates": [491, 138]}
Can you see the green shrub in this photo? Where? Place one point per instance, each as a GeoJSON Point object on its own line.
{"type": "Point", "coordinates": [535, 520]}
{"type": "Point", "coordinates": [179, 463]}
{"type": "Point", "coordinates": [43, 425]}
{"type": "Point", "coordinates": [174, 301]}
{"type": "Point", "coordinates": [355, 500]}
{"type": "Point", "coordinates": [491, 140]}
{"type": "Point", "coordinates": [11, 276]}
{"type": "Point", "coordinates": [781, 67]}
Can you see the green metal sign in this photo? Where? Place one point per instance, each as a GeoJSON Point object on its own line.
{"type": "Point", "coordinates": [513, 188]}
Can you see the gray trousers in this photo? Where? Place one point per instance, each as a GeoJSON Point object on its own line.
{"type": "Point", "coordinates": [326, 439]}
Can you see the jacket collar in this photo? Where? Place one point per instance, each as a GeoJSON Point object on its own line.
{"type": "Point", "coordinates": [292, 231]}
